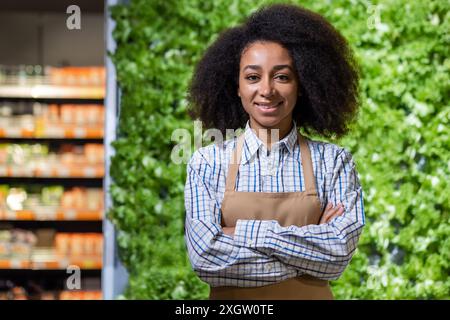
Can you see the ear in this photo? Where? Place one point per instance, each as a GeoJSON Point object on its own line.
{"type": "Point", "coordinates": [238, 92]}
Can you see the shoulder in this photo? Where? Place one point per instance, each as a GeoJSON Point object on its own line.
{"type": "Point", "coordinates": [332, 154]}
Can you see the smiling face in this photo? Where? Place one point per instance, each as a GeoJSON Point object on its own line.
{"type": "Point", "coordinates": [268, 86]}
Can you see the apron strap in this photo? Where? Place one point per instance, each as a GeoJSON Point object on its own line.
{"type": "Point", "coordinates": [305, 153]}
{"type": "Point", "coordinates": [310, 185]}
{"type": "Point", "coordinates": [234, 164]}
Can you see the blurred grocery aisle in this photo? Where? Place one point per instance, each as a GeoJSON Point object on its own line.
{"type": "Point", "coordinates": [52, 89]}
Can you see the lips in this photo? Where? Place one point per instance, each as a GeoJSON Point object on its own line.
{"type": "Point", "coordinates": [267, 107]}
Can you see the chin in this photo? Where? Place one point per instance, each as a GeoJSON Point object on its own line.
{"type": "Point", "coordinates": [268, 122]}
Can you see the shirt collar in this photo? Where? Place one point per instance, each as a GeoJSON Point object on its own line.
{"type": "Point", "coordinates": [253, 143]}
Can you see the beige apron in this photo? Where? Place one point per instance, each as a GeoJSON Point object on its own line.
{"type": "Point", "coordinates": [289, 208]}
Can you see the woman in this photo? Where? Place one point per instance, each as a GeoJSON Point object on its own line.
{"type": "Point", "coordinates": [271, 214]}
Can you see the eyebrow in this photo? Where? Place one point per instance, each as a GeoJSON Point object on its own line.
{"type": "Point", "coordinates": [276, 68]}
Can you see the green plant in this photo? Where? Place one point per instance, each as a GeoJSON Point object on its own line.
{"type": "Point", "coordinates": [400, 142]}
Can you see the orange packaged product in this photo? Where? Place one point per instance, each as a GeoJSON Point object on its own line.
{"type": "Point", "coordinates": [19, 293]}
{"type": "Point", "coordinates": [93, 115]}
{"type": "Point", "coordinates": [99, 245]}
{"type": "Point", "coordinates": [94, 199]}
{"type": "Point", "coordinates": [80, 198]}
{"type": "Point", "coordinates": [4, 249]}
{"type": "Point", "coordinates": [101, 115]}
{"type": "Point", "coordinates": [66, 113]}
{"type": "Point", "coordinates": [20, 249]}
{"type": "Point", "coordinates": [100, 74]}
{"type": "Point", "coordinates": [70, 76]}
{"type": "Point", "coordinates": [62, 244]}
{"type": "Point", "coordinates": [63, 295]}
{"type": "Point", "coordinates": [66, 295]}
{"type": "Point", "coordinates": [83, 78]}
{"type": "Point", "coordinates": [4, 154]}
{"type": "Point", "coordinates": [47, 295]}
{"type": "Point", "coordinates": [89, 295]}
{"type": "Point", "coordinates": [53, 114]}
{"type": "Point", "coordinates": [77, 245]}
{"type": "Point", "coordinates": [81, 114]}
{"type": "Point", "coordinates": [56, 75]}
{"type": "Point", "coordinates": [79, 295]}
{"type": "Point", "coordinates": [94, 153]}
{"type": "Point", "coordinates": [89, 244]}
{"type": "Point", "coordinates": [67, 200]}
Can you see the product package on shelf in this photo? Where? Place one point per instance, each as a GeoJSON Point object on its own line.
{"type": "Point", "coordinates": [37, 160]}
{"type": "Point", "coordinates": [17, 245]}
{"type": "Point", "coordinates": [52, 82]}
{"type": "Point", "coordinates": [50, 203]}
{"type": "Point", "coordinates": [40, 120]}
{"type": "Point", "coordinates": [50, 75]}
{"type": "Point", "coordinates": [46, 249]}
{"type": "Point", "coordinates": [34, 290]}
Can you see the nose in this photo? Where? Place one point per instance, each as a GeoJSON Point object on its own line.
{"type": "Point", "coordinates": [266, 89]}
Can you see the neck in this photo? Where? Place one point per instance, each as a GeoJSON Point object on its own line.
{"type": "Point", "coordinates": [270, 136]}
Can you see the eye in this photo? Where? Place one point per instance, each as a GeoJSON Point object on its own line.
{"type": "Point", "coordinates": [252, 78]}
{"type": "Point", "coordinates": [282, 77]}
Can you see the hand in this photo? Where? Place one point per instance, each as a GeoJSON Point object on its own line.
{"type": "Point", "coordinates": [331, 212]}
{"type": "Point", "coordinates": [228, 231]}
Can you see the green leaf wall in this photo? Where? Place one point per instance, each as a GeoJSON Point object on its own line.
{"type": "Point", "coordinates": [400, 142]}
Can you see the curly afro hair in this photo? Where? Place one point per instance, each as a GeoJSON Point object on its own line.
{"type": "Point", "coordinates": [327, 72]}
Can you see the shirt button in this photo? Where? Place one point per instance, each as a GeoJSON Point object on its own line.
{"type": "Point", "coordinates": [269, 267]}
{"type": "Point", "coordinates": [250, 242]}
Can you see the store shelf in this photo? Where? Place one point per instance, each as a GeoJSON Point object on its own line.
{"type": "Point", "coordinates": [15, 264]}
{"type": "Point", "coordinates": [87, 264]}
{"type": "Point", "coordinates": [52, 92]}
{"type": "Point", "coordinates": [25, 274]}
{"type": "Point", "coordinates": [48, 258]}
{"type": "Point", "coordinates": [56, 133]}
{"type": "Point", "coordinates": [60, 172]}
{"type": "Point", "coordinates": [80, 295]}
{"type": "Point", "coordinates": [66, 182]}
{"type": "Point", "coordinates": [53, 215]}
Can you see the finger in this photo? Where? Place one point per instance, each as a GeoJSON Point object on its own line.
{"type": "Point", "coordinates": [326, 215]}
{"type": "Point", "coordinates": [334, 212]}
{"type": "Point", "coordinates": [327, 208]}
{"type": "Point", "coordinates": [338, 213]}
{"type": "Point", "coordinates": [331, 210]}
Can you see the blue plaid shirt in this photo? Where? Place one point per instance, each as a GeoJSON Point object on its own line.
{"type": "Point", "coordinates": [263, 252]}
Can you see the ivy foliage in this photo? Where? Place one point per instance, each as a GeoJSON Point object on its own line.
{"type": "Point", "coordinates": [400, 141]}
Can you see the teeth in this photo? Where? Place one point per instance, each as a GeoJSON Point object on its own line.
{"type": "Point", "coordinates": [263, 106]}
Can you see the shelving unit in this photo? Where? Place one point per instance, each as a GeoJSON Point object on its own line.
{"type": "Point", "coordinates": [41, 38]}
{"type": "Point", "coordinates": [72, 225]}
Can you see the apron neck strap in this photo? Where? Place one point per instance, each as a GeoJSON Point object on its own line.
{"type": "Point", "coordinates": [307, 165]}
{"type": "Point", "coordinates": [234, 164]}
{"type": "Point", "coordinates": [305, 158]}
